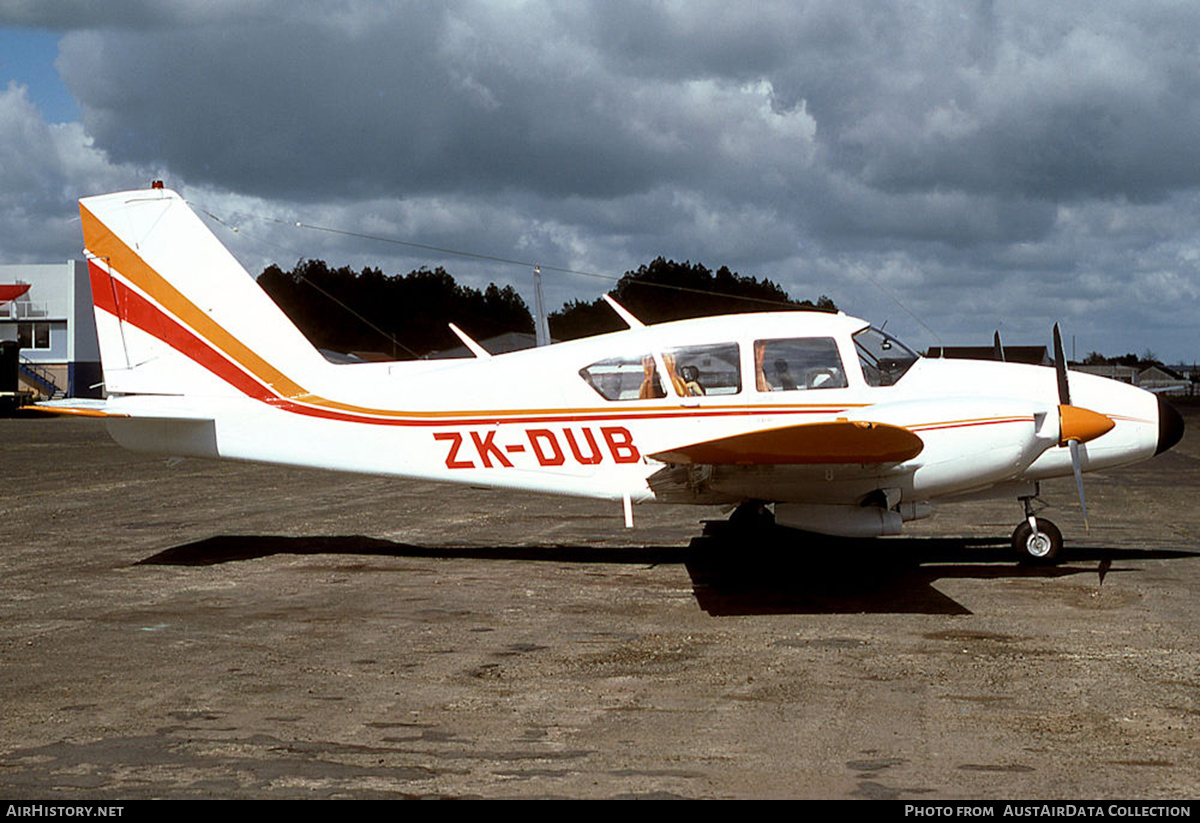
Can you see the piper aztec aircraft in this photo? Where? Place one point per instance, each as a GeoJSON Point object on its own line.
{"type": "Point", "coordinates": [830, 424]}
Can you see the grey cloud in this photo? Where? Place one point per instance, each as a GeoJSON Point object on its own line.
{"type": "Point", "coordinates": [42, 168]}
{"type": "Point", "coordinates": [995, 163]}
{"type": "Point", "coordinates": [66, 15]}
{"type": "Point", "coordinates": [421, 101]}
{"type": "Point", "coordinates": [1046, 102]}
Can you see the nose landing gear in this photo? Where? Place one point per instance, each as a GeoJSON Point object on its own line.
{"type": "Point", "coordinates": [1036, 540]}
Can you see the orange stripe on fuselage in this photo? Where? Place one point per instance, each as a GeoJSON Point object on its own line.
{"type": "Point", "coordinates": [184, 325]}
{"type": "Point", "coordinates": [187, 325]}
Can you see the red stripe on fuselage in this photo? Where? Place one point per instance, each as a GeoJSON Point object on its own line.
{"type": "Point", "coordinates": [962, 424]}
{"type": "Point", "coordinates": [117, 298]}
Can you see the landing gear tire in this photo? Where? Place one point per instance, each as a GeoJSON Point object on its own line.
{"type": "Point", "coordinates": [1043, 547]}
{"type": "Point", "coordinates": [752, 515]}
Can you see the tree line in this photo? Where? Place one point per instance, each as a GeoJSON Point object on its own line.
{"type": "Point", "coordinates": [1141, 361]}
{"type": "Point", "coordinates": [407, 315]}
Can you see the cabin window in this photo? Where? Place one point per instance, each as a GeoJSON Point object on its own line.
{"type": "Point", "coordinates": [798, 364]}
{"type": "Point", "coordinates": [625, 378]}
{"type": "Point", "coordinates": [704, 370]}
{"type": "Point", "coordinates": [884, 359]}
{"type": "Point", "coordinates": [692, 371]}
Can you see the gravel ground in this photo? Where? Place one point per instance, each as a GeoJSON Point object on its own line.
{"type": "Point", "coordinates": [236, 631]}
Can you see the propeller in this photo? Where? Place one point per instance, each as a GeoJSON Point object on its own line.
{"type": "Point", "coordinates": [997, 349]}
{"type": "Point", "coordinates": [1076, 425]}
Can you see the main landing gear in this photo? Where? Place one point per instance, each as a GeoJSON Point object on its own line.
{"type": "Point", "coordinates": [753, 515]}
{"type": "Point", "coordinates": [1036, 539]}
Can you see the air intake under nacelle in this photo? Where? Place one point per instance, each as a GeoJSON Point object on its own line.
{"type": "Point", "coordinates": [843, 521]}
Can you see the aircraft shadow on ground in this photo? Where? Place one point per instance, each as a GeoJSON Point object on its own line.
{"type": "Point", "coordinates": [752, 575]}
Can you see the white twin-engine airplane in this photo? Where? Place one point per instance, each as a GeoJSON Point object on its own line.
{"type": "Point", "coordinates": [834, 425]}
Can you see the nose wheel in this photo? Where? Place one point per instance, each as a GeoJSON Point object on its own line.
{"type": "Point", "coordinates": [1040, 544]}
{"type": "Point", "coordinates": [1036, 539]}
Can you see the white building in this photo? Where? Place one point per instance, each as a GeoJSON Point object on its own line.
{"type": "Point", "coordinates": [55, 326]}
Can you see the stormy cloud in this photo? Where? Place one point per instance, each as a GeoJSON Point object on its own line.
{"type": "Point", "coordinates": [988, 165]}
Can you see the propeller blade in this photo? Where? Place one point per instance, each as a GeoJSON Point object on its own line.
{"type": "Point", "coordinates": [1076, 425]}
{"type": "Point", "coordinates": [1073, 445]}
{"type": "Point", "coordinates": [997, 349]}
{"type": "Point", "coordinates": [1060, 367]}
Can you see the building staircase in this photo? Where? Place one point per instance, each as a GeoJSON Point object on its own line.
{"type": "Point", "coordinates": [41, 379]}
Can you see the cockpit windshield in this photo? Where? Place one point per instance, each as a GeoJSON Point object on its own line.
{"type": "Point", "coordinates": [884, 358]}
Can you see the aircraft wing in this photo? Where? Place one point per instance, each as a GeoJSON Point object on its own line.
{"type": "Point", "coordinates": [841, 441]}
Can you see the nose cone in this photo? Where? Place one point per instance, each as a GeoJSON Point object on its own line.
{"type": "Point", "coordinates": [1170, 426]}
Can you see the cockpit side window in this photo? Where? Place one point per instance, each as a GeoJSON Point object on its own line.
{"type": "Point", "coordinates": [798, 364]}
{"type": "Point", "coordinates": [884, 358]}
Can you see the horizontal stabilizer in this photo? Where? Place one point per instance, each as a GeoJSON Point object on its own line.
{"type": "Point", "coordinates": [838, 442]}
{"type": "Point", "coordinates": [77, 407]}
{"type": "Point", "coordinates": [155, 409]}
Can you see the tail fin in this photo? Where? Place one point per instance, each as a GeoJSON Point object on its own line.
{"type": "Point", "coordinates": [176, 313]}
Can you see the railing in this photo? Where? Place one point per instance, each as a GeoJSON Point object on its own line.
{"type": "Point", "coordinates": [40, 377]}
{"type": "Point", "coordinates": [25, 310]}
